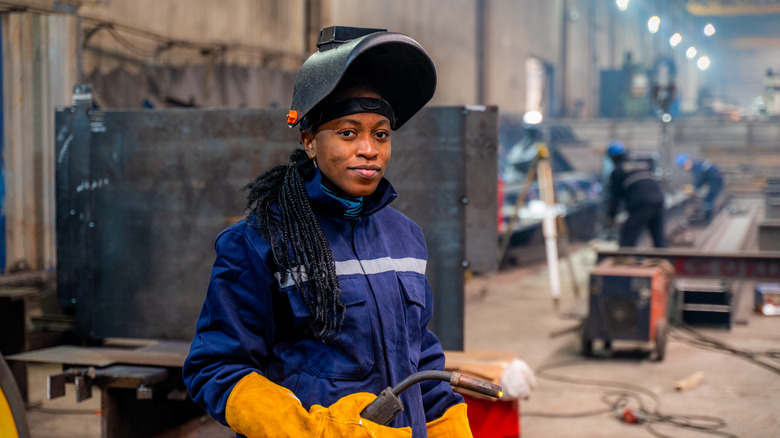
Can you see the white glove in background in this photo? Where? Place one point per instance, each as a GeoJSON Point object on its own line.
{"type": "Point", "coordinates": [518, 380]}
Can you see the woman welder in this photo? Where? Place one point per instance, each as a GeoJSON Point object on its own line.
{"type": "Point", "coordinates": [319, 300]}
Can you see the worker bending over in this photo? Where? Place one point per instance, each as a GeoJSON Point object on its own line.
{"type": "Point", "coordinates": [318, 300]}
{"type": "Point", "coordinates": [635, 185]}
{"type": "Point", "coordinates": [704, 173]}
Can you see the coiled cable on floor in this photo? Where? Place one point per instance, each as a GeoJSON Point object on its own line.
{"type": "Point", "coordinates": [692, 337]}
{"type": "Point", "coordinates": [623, 398]}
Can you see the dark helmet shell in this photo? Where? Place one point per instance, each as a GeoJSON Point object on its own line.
{"type": "Point", "coordinates": [393, 64]}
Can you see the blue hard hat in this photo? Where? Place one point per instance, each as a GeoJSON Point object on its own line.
{"type": "Point", "coordinates": [616, 148]}
{"type": "Point", "coordinates": [681, 159]}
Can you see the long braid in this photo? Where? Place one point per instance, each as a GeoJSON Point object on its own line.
{"type": "Point", "coordinates": [297, 241]}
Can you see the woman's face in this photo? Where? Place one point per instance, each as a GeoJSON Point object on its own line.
{"type": "Point", "coordinates": [351, 152]}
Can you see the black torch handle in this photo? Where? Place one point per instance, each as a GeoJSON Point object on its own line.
{"type": "Point", "coordinates": [387, 405]}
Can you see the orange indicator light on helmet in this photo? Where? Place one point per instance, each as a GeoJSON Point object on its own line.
{"type": "Point", "coordinates": [292, 117]}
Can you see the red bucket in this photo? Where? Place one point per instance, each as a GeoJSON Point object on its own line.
{"type": "Point", "coordinates": [493, 418]}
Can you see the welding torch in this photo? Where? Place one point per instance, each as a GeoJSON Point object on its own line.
{"type": "Point", "coordinates": [387, 405]}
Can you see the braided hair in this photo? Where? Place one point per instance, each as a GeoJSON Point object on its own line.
{"type": "Point", "coordinates": [283, 216]}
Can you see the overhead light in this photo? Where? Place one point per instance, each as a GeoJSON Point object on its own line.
{"type": "Point", "coordinates": [622, 4]}
{"type": "Point", "coordinates": [691, 52]}
{"type": "Point", "coordinates": [654, 23]}
{"type": "Point", "coordinates": [675, 40]}
{"type": "Point", "coordinates": [703, 63]}
{"type": "Point", "coordinates": [532, 117]}
{"type": "Point", "coordinates": [709, 29]}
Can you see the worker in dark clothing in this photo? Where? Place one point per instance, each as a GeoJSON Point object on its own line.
{"type": "Point", "coordinates": [634, 184]}
{"type": "Point", "coordinates": [704, 173]}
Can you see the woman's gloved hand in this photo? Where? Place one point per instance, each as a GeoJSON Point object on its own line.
{"type": "Point", "coordinates": [258, 407]}
{"type": "Point", "coordinates": [453, 424]}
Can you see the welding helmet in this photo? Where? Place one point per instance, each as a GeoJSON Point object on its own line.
{"type": "Point", "coordinates": [616, 148]}
{"type": "Point", "coordinates": [392, 64]}
{"type": "Point", "coordinates": [681, 159]}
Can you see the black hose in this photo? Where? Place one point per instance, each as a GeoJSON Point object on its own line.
{"type": "Point", "coordinates": [456, 380]}
{"type": "Point", "coordinates": [418, 377]}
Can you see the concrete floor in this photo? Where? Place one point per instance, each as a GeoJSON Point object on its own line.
{"type": "Point", "coordinates": [512, 311]}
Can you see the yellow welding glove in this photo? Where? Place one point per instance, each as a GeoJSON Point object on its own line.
{"type": "Point", "coordinates": [454, 423]}
{"type": "Point", "coordinates": [258, 407]}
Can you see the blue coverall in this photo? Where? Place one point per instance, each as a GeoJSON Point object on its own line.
{"type": "Point", "coordinates": [704, 172]}
{"type": "Point", "coordinates": [251, 321]}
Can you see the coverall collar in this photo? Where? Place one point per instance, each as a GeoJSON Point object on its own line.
{"type": "Point", "coordinates": [382, 196]}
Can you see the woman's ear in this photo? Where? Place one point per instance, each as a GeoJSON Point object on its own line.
{"type": "Point", "coordinates": [307, 140]}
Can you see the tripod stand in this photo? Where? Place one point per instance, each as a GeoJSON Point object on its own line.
{"type": "Point", "coordinates": [552, 223]}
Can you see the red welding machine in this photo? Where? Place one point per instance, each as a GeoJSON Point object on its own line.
{"type": "Point", "coordinates": [628, 301]}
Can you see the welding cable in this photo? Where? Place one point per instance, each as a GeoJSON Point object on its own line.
{"type": "Point", "coordinates": [456, 380]}
{"type": "Point", "coordinates": [619, 402]}
{"type": "Point", "coordinates": [775, 355]}
{"type": "Point", "coordinates": [621, 398]}
{"type": "Point", "coordinates": [544, 373]}
{"type": "Point", "coordinates": [705, 424]}
{"type": "Point", "coordinates": [696, 339]}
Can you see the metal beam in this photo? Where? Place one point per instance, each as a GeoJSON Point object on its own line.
{"type": "Point", "coordinates": [733, 7]}
{"type": "Point", "coordinates": [759, 266]}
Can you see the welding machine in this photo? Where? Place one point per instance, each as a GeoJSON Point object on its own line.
{"type": "Point", "coordinates": [628, 301]}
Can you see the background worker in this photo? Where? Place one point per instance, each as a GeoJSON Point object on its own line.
{"type": "Point", "coordinates": [607, 166]}
{"type": "Point", "coordinates": [704, 173]}
{"type": "Point", "coordinates": [634, 184]}
{"type": "Point", "coordinates": [319, 300]}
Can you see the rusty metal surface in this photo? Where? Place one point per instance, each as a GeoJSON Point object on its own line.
{"type": "Point", "coordinates": [481, 189]}
{"type": "Point", "coordinates": [141, 196]}
{"type": "Point", "coordinates": [437, 158]}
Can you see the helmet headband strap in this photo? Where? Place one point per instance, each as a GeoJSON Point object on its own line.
{"type": "Point", "coordinates": [346, 107]}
